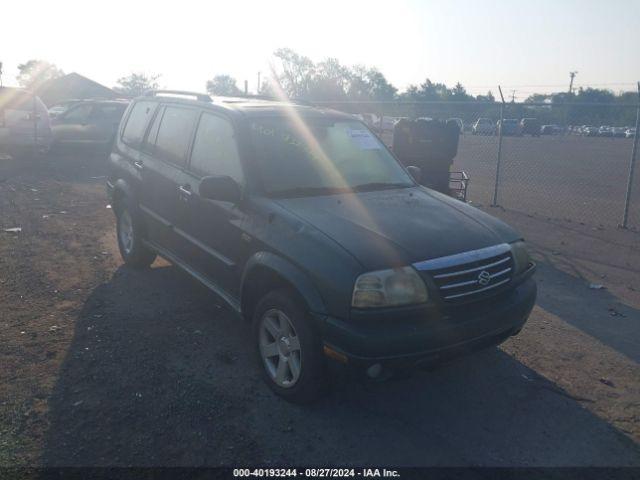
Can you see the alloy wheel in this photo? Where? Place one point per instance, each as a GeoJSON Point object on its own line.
{"type": "Point", "coordinates": [280, 348]}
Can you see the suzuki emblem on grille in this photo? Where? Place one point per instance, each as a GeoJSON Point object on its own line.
{"type": "Point", "coordinates": [484, 277]}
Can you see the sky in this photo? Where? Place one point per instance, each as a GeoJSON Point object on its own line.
{"type": "Point", "coordinates": [525, 46]}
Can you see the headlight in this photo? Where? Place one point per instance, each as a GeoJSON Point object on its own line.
{"type": "Point", "coordinates": [389, 288]}
{"type": "Point", "coordinates": [520, 257]}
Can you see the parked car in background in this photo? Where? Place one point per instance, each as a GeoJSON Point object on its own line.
{"type": "Point", "coordinates": [618, 132]}
{"type": "Point", "coordinates": [368, 118]}
{"type": "Point", "coordinates": [458, 122]}
{"type": "Point", "coordinates": [605, 131]}
{"type": "Point", "coordinates": [549, 130]}
{"type": "Point", "coordinates": [530, 126]}
{"type": "Point", "coordinates": [509, 127]}
{"type": "Point", "coordinates": [630, 133]}
{"type": "Point", "coordinates": [590, 131]}
{"type": "Point", "coordinates": [388, 123]}
{"type": "Point", "coordinates": [484, 126]}
{"type": "Point", "coordinates": [25, 127]}
{"type": "Point", "coordinates": [90, 123]}
{"type": "Point", "coordinates": [339, 258]}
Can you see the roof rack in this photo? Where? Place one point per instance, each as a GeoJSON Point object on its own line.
{"type": "Point", "coordinates": [252, 96]}
{"type": "Point", "coordinates": [201, 97]}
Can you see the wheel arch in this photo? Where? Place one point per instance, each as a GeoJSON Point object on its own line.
{"type": "Point", "coordinates": [121, 191]}
{"type": "Point", "coordinates": [266, 271]}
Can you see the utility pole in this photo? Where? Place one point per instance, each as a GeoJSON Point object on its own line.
{"type": "Point", "coordinates": [1, 74]}
{"type": "Point", "coordinates": [513, 96]}
{"type": "Point", "coordinates": [572, 75]}
{"type": "Point", "coordinates": [258, 89]}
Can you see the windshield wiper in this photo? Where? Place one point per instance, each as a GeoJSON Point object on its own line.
{"type": "Point", "coordinates": [368, 187]}
{"type": "Point", "coordinates": [308, 192]}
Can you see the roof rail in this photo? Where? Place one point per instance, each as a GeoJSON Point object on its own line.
{"type": "Point", "coordinates": [201, 97]}
{"type": "Point", "coordinates": [299, 101]}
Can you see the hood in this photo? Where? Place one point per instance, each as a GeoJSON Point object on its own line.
{"type": "Point", "coordinates": [401, 226]}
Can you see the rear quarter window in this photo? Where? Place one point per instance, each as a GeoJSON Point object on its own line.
{"type": "Point", "coordinates": [137, 122]}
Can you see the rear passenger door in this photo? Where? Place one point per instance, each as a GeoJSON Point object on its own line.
{"type": "Point", "coordinates": [165, 180]}
{"type": "Point", "coordinates": [215, 227]}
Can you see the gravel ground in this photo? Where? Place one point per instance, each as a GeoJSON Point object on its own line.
{"type": "Point", "coordinates": [107, 366]}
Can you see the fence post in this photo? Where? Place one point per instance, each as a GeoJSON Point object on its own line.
{"type": "Point", "coordinates": [35, 126]}
{"type": "Point", "coordinates": [632, 165]}
{"type": "Point", "coordinates": [495, 190]}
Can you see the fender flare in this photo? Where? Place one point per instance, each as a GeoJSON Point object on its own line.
{"type": "Point", "coordinates": [122, 187]}
{"type": "Point", "coordinates": [289, 272]}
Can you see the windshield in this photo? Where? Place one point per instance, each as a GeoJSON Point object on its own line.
{"type": "Point", "coordinates": [320, 157]}
{"type": "Point", "coordinates": [59, 109]}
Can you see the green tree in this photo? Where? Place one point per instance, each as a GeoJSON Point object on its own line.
{"type": "Point", "coordinates": [328, 81]}
{"type": "Point", "coordinates": [224, 85]}
{"type": "Point", "coordinates": [35, 72]}
{"type": "Point", "coordinates": [295, 73]}
{"type": "Point", "coordinates": [136, 84]}
{"type": "Point", "coordinates": [369, 84]}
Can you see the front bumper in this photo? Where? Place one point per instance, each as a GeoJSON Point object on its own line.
{"type": "Point", "coordinates": [429, 334]}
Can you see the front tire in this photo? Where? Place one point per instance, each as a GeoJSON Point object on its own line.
{"type": "Point", "coordinates": [288, 349]}
{"type": "Point", "coordinates": [130, 234]}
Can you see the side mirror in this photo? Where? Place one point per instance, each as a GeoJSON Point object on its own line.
{"type": "Point", "coordinates": [222, 188]}
{"type": "Point", "coordinates": [415, 172]}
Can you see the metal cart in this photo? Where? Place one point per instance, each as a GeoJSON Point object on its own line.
{"type": "Point", "coordinates": [458, 184]}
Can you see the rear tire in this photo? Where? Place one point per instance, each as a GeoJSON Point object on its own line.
{"type": "Point", "coordinates": [288, 349]}
{"type": "Point", "coordinates": [130, 234]}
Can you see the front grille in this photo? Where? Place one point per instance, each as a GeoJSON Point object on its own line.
{"type": "Point", "coordinates": [470, 276]}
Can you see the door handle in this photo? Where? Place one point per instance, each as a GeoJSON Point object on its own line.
{"type": "Point", "coordinates": [138, 164]}
{"type": "Point", "coordinates": [185, 191]}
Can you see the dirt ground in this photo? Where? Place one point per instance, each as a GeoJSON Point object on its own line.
{"type": "Point", "coordinates": [102, 365]}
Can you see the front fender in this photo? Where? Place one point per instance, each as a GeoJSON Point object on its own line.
{"type": "Point", "coordinates": [289, 272]}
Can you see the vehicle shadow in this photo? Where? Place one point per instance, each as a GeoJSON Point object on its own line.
{"type": "Point", "coordinates": [159, 375]}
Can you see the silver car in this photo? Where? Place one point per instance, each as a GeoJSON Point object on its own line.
{"type": "Point", "coordinates": [25, 128]}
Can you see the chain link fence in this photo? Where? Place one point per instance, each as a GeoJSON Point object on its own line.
{"type": "Point", "coordinates": [577, 168]}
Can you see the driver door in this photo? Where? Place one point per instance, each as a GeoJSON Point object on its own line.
{"type": "Point", "coordinates": [73, 127]}
{"type": "Point", "coordinates": [214, 227]}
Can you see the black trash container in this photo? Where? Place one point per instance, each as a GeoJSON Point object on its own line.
{"type": "Point", "coordinates": [429, 144]}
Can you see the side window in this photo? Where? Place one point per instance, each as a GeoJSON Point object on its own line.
{"type": "Point", "coordinates": [137, 122]}
{"type": "Point", "coordinates": [108, 112]}
{"type": "Point", "coordinates": [215, 151]}
{"type": "Point", "coordinates": [79, 114]}
{"type": "Point", "coordinates": [174, 134]}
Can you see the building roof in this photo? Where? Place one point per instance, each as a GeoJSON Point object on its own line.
{"type": "Point", "coordinates": [73, 86]}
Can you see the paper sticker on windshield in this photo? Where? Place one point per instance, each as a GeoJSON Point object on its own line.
{"type": "Point", "coordinates": [364, 140]}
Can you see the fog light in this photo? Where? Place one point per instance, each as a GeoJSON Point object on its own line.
{"type": "Point", "coordinates": [374, 370]}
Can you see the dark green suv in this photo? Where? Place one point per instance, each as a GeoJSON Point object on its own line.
{"type": "Point", "coordinates": [305, 224]}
